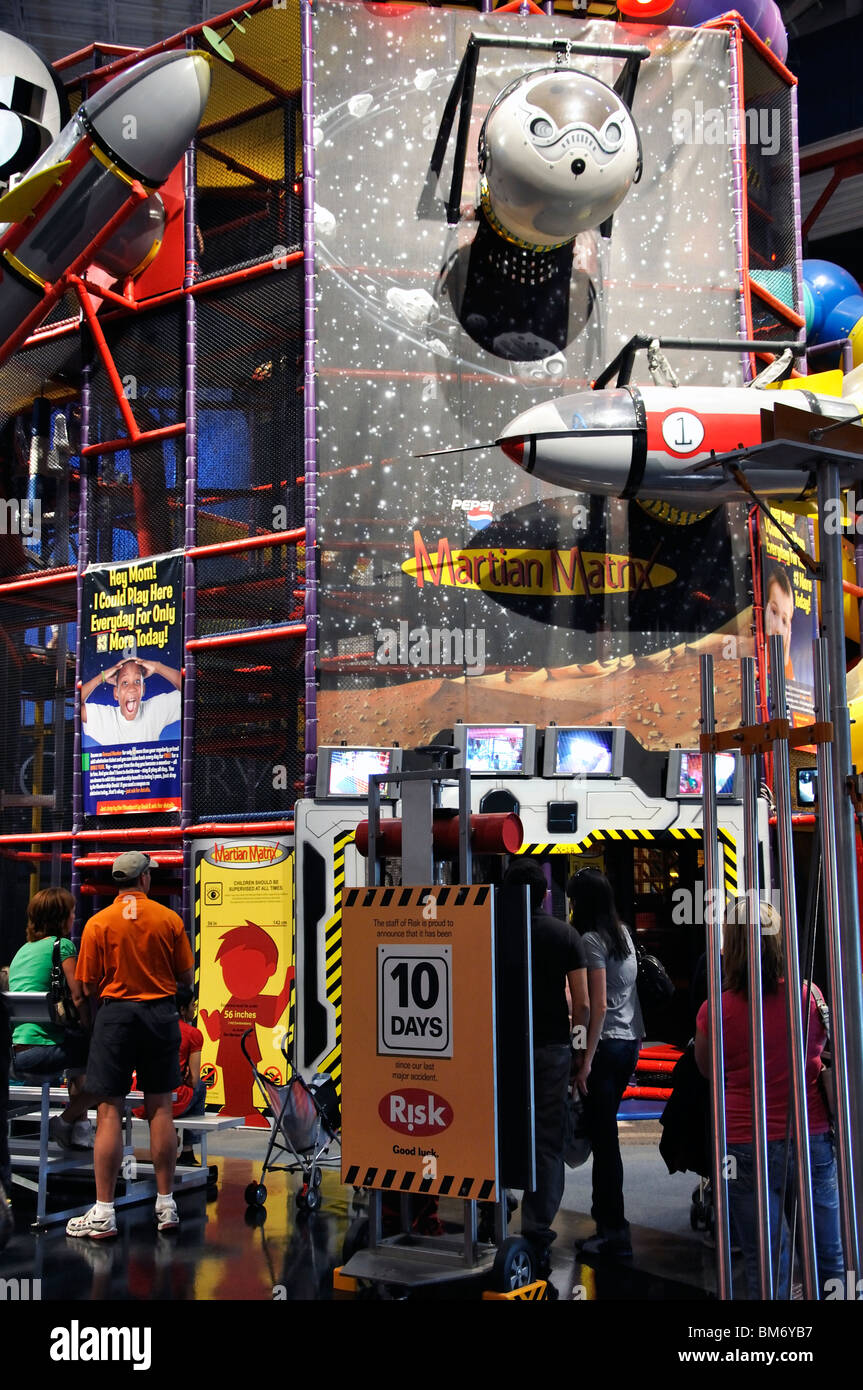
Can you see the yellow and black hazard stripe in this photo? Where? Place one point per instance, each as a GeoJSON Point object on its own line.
{"type": "Point", "coordinates": [455, 895]}
{"type": "Point", "coordinates": [332, 1063]}
{"type": "Point", "coordinates": [599, 837]}
{"type": "Point", "coordinates": [412, 1180]}
{"type": "Point", "coordinates": [729, 857]}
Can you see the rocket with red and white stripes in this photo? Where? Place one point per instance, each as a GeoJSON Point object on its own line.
{"type": "Point", "coordinates": [664, 444]}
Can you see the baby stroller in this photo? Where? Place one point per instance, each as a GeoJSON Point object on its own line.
{"type": "Point", "coordinates": [306, 1121]}
{"type": "Point", "coordinates": [685, 1142]}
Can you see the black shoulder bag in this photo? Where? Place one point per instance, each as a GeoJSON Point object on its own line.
{"type": "Point", "coordinates": [63, 1011]}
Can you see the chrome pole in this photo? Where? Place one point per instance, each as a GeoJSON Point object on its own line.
{"type": "Point", "coordinates": [793, 989]}
{"type": "Point", "coordinates": [842, 1119]}
{"type": "Point", "coordinates": [713, 898]}
{"type": "Point", "coordinates": [849, 1002]}
{"type": "Point", "coordinates": [756, 1017]}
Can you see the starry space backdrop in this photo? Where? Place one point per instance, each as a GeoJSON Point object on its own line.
{"type": "Point", "coordinates": [398, 375]}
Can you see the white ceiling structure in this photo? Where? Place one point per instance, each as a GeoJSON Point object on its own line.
{"type": "Point", "coordinates": [59, 27]}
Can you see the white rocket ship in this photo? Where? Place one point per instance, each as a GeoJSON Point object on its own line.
{"type": "Point", "coordinates": [663, 443]}
{"type": "Point", "coordinates": [135, 128]}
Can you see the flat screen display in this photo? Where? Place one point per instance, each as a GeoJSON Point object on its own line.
{"type": "Point", "coordinates": [686, 775]}
{"type": "Point", "coordinates": [572, 751]}
{"type": "Point", "coordinates": [504, 750]}
{"type": "Point", "coordinates": [345, 772]}
{"type": "Point", "coordinates": [807, 786]}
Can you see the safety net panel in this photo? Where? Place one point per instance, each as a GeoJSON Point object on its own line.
{"type": "Point", "coordinates": [770, 141]}
{"type": "Point", "coordinates": [250, 408]}
{"type": "Point", "coordinates": [249, 167]}
{"type": "Point", "coordinates": [249, 729]}
{"type": "Point", "coordinates": [136, 500]}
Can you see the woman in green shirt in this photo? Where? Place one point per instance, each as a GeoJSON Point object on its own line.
{"type": "Point", "coordinates": [41, 1050]}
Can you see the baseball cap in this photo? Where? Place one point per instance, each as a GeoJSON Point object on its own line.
{"type": "Point", "coordinates": [128, 867]}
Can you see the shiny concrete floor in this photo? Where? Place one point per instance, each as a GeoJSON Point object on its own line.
{"type": "Point", "coordinates": [224, 1251]}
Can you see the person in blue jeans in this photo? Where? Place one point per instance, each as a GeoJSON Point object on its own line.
{"type": "Point", "coordinates": [738, 1105]}
{"type": "Point", "coordinates": [613, 1041]}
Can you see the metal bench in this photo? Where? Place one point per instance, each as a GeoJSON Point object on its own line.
{"type": "Point", "coordinates": [46, 1159]}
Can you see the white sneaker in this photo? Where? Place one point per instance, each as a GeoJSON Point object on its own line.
{"type": "Point", "coordinates": [60, 1132]}
{"type": "Point", "coordinates": [96, 1227]}
{"type": "Point", "coordinates": [167, 1217]}
{"type": "Point", "coordinates": [82, 1134]}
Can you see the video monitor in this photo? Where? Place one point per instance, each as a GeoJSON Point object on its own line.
{"type": "Point", "coordinates": [583, 751]}
{"type": "Point", "coordinates": [344, 773]}
{"type": "Point", "coordinates": [496, 750]}
{"type": "Point", "coordinates": [807, 786]}
{"type": "Point", "coordinates": [686, 775]}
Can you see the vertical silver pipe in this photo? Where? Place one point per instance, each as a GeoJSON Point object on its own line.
{"type": "Point", "coordinates": [756, 1017]}
{"type": "Point", "coordinates": [847, 1200]}
{"type": "Point", "coordinates": [713, 918]}
{"type": "Point", "coordinates": [793, 989]}
{"type": "Point", "coordinates": [849, 1003]}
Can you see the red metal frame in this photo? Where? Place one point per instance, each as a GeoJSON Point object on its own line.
{"type": "Point", "coordinates": [238, 639]}
{"type": "Point", "coordinates": [54, 292]}
{"type": "Point", "coordinates": [147, 833]}
{"type": "Point", "coordinates": [200, 552]}
{"type": "Point", "coordinates": [139, 54]}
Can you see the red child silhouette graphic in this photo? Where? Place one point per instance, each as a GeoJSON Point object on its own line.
{"type": "Point", "coordinates": [249, 957]}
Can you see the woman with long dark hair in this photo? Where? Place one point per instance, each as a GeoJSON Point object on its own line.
{"type": "Point", "coordinates": [613, 1039]}
{"type": "Point", "coordinates": [43, 1050]}
{"type": "Point", "coordinates": [738, 1101]}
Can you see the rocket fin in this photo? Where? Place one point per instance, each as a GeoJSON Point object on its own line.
{"type": "Point", "coordinates": [20, 201]}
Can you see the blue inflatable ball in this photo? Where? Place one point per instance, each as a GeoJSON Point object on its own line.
{"type": "Point", "coordinates": [842, 318]}
{"type": "Point", "coordinates": [828, 284]}
{"type": "Point", "coordinates": [808, 309]}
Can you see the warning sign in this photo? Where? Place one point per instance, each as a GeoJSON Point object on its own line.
{"type": "Point", "coordinates": [418, 1068]}
{"type": "Point", "coordinates": [415, 1001]}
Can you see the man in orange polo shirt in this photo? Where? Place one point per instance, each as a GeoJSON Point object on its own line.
{"type": "Point", "coordinates": [133, 955]}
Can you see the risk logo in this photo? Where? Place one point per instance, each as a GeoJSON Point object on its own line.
{"type": "Point", "coordinates": [415, 1112]}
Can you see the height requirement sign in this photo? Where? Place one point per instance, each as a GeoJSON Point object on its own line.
{"type": "Point", "coordinates": [418, 1054]}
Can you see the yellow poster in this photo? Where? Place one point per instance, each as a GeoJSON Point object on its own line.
{"type": "Point", "coordinates": [244, 894]}
{"type": "Point", "coordinates": [418, 1054]}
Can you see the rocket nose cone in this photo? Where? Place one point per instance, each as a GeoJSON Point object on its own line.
{"type": "Point", "coordinates": [147, 116]}
{"type": "Point", "coordinates": [514, 450]}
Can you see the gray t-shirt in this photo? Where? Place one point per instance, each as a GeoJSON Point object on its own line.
{"type": "Point", "coordinates": [623, 1019]}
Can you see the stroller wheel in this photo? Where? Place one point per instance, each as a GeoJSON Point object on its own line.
{"type": "Point", "coordinates": [313, 1199]}
{"type": "Point", "coordinates": [317, 1177]}
{"type": "Point", "coordinates": [255, 1194]}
